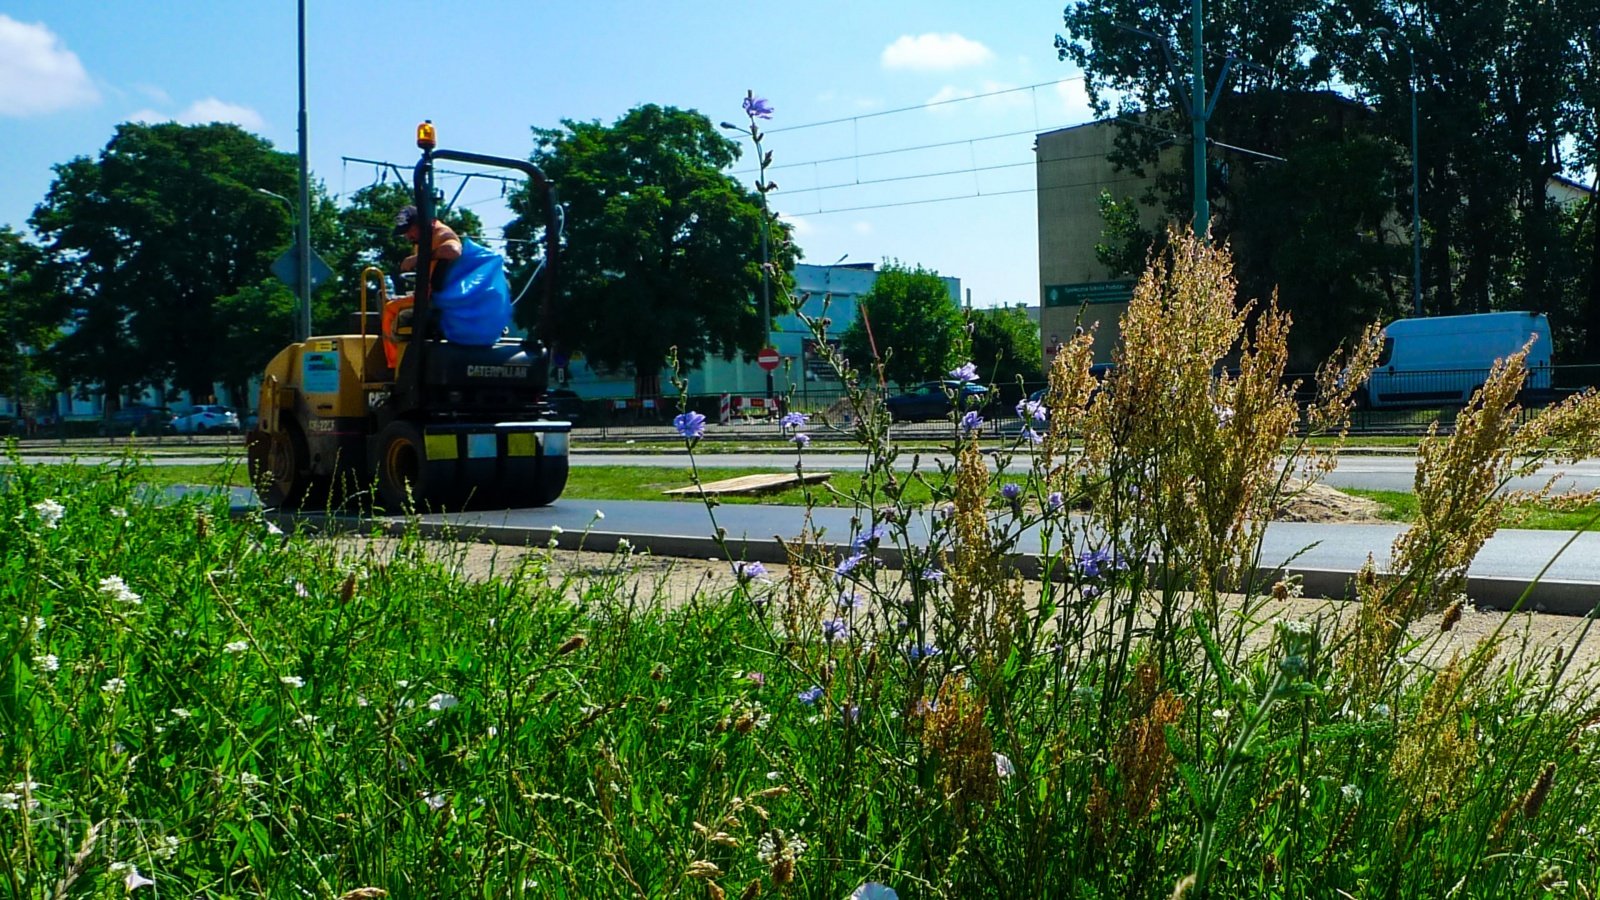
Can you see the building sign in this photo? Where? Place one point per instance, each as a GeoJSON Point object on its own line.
{"type": "Point", "coordinates": [1088, 292]}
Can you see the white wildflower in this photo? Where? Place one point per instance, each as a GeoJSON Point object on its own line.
{"type": "Point", "coordinates": [1351, 793]}
{"type": "Point", "coordinates": [599, 514]}
{"type": "Point", "coordinates": [49, 512]}
{"type": "Point", "coordinates": [1003, 766]}
{"type": "Point", "coordinates": [556, 530]}
{"type": "Point", "coordinates": [436, 802]}
{"type": "Point", "coordinates": [182, 713]}
{"type": "Point", "coordinates": [164, 847]}
{"type": "Point", "coordinates": [118, 512]}
{"type": "Point", "coordinates": [10, 800]}
{"type": "Point", "coordinates": [273, 529]}
{"type": "Point", "coordinates": [624, 546]}
{"type": "Point", "coordinates": [114, 686]}
{"type": "Point", "coordinates": [292, 680]}
{"type": "Point", "coordinates": [114, 588]}
{"type": "Point", "coordinates": [236, 646]}
{"type": "Point", "coordinates": [133, 880]}
{"type": "Point", "coordinates": [439, 702]}
{"type": "Point", "coordinates": [48, 662]}
{"type": "Point", "coordinates": [305, 721]}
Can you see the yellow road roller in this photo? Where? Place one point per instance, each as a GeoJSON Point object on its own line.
{"type": "Point", "coordinates": [445, 425]}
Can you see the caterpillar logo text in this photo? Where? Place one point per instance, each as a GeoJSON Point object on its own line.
{"type": "Point", "coordinates": [497, 371]}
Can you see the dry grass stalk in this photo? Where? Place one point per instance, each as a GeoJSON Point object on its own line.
{"type": "Point", "coordinates": [1436, 751]}
{"type": "Point", "coordinates": [962, 749]}
{"type": "Point", "coordinates": [986, 595]}
{"type": "Point", "coordinates": [1141, 758]}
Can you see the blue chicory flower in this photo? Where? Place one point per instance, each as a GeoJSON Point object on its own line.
{"type": "Point", "coordinates": [971, 421]}
{"type": "Point", "coordinates": [867, 538]}
{"type": "Point", "coordinates": [872, 890]}
{"type": "Point", "coordinates": [690, 424]}
{"type": "Point", "coordinates": [801, 440]}
{"type": "Point", "coordinates": [1032, 409]}
{"type": "Point", "coordinates": [851, 713]}
{"type": "Point", "coordinates": [793, 420]}
{"type": "Point", "coordinates": [965, 372]}
{"type": "Point", "coordinates": [1031, 436]}
{"type": "Point", "coordinates": [1093, 563]}
{"type": "Point", "coordinates": [933, 575]}
{"type": "Point", "coordinates": [835, 630]}
{"type": "Point", "coordinates": [918, 652]}
{"type": "Point", "coordinates": [1011, 490]}
{"type": "Point", "coordinates": [749, 571]}
{"type": "Point", "coordinates": [758, 107]}
{"type": "Point", "coordinates": [1055, 501]}
{"type": "Point", "coordinates": [810, 695]}
{"type": "Point", "coordinates": [848, 564]}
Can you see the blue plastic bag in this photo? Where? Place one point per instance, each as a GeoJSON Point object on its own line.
{"type": "Point", "coordinates": [474, 303]}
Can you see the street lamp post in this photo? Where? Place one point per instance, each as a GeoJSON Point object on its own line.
{"type": "Point", "coordinates": [1416, 174]}
{"type": "Point", "coordinates": [302, 266]}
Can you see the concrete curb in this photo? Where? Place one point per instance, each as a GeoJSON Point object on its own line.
{"type": "Point", "coordinates": [1567, 598]}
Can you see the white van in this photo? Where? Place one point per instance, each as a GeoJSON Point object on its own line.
{"type": "Point", "coordinates": [1442, 360]}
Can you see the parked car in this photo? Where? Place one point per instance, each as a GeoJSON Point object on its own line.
{"type": "Point", "coordinates": [564, 403]}
{"type": "Point", "coordinates": [137, 419]}
{"type": "Point", "coordinates": [209, 419]}
{"type": "Point", "coordinates": [931, 400]}
{"type": "Point", "coordinates": [1099, 372]}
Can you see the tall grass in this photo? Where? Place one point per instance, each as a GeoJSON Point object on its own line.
{"type": "Point", "coordinates": [203, 706]}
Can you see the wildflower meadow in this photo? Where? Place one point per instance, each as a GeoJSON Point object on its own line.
{"type": "Point", "coordinates": [194, 703]}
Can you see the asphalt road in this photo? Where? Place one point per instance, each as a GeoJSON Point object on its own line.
{"type": "Point", "coordinates": [1373, 473]}
{"type": "Point", "coordinates": [1366, 472]}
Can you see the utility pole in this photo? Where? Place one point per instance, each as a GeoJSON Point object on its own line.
{"type": "Point", "coordinates": [303, 238]}
{"type": "Point", "coordinates": [1197, 120]}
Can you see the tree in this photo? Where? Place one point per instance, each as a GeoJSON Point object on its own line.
{"type": "Point", "coordinates": [916, 325]}
{"type": "Point", "coordinates": [1005, 346]}
{"type": "Point", "coordinates": [31, 316]}
{"type": "Point", "coordinates": [146, 238]}
{"type": "Point", "coordinates": [662, 248]}
{"type": "Point", "coordinates": [1501, 88]}
{"type": "Point", "coordinates": [365, 234]}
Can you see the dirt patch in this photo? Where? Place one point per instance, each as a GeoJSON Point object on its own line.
{"type": "Point", "coordinates": [676, 581]}
{"type": "Point", "coordinates": [1323, 504]}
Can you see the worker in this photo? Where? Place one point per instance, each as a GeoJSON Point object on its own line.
{"type": "Point", "coordinates": [446, 250]}
{"type": "Point", "coordinates": [446, 245]}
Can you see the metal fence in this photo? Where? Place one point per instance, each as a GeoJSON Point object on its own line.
{"type": "Point", "coordinates": [1405, 403]}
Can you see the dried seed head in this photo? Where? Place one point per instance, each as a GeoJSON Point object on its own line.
{"type": "Point", "coordinates": [202, 525]}
{"type": "Point", "coordinates": [751, 891]}
{"type": "Point", "coordinates": [1452, 615]}
{"type": "Point", "coordinates": [573, 644]}
{"type": "Point", "coordinates": [1533, 801]}
{"type": "Point", "coordinates": [701, 868]}
{"type": "Point", "coordinates": [782, 870]}
{"type": "Point", "coordinates": [347, 591]}
{"type": "Point", "coordinates": [714, 891]}
{"type": "Point", "coordinates": [658, 671]}
{"type": "Point", "coordinates": [364, 893]}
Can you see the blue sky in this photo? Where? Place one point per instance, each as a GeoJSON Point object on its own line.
{"type": "Point", "coordinates": [486, 72]}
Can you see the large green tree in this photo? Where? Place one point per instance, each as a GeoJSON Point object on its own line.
{"type": "Point", "coordinates": [1502, 88]}
{"type": "Point", "coordinates": [147, 237]}
{"type": "Point", "coordinates": [30, 318]}
{"type": "Point", "coordinates": [1006, 347]}
{"type": "Point", "coordinates": [662, 247]}
{"type": "Point", "coordinates": [916, 326]}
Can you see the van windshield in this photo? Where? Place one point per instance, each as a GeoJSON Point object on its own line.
{"type": "Point", "coordinates": [1387, 352]}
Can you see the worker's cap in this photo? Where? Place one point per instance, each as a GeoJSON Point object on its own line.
{"type": "Point", "coordinates": [405, 219]}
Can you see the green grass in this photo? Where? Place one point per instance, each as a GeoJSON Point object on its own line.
{"type": "Point", "coordinates": [1401, 506]}
{"type": "Point", "coordinates": [249, 713]}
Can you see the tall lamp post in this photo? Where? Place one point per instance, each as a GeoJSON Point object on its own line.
{"type": "Point", "coordinates": [302, 266]}
{"type": "Point", "coordinates": [1416, 173]}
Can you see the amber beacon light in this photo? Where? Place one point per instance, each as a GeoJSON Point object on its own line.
{"type": "Point", "coordinates": [426, 139]}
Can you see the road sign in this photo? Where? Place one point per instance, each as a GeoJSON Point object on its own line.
{"type": "Point", "coordinates": [768, 358]}
{"type": "Point", "coordinates": [287, 268]}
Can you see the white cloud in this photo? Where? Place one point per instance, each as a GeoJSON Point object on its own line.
{"type": "Point", "coordinates": [934, 52]}
{"type": "Point", "coordinates": [1074, 101]}
{"type": "Point", "coordinates": [801, 225]}
{"type": "Point", "coordinates": [204, 112]}
{"type": "Point", "coordinates": [862, 227]}
{"type": "Point", "coordinates": [1012, 99]}
{"type": "Point", "coordinates": [38, 74]}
